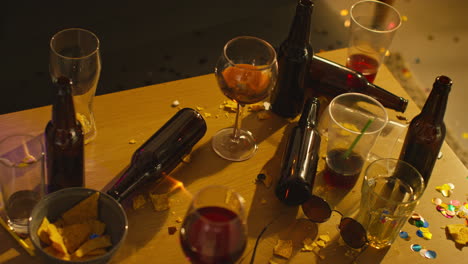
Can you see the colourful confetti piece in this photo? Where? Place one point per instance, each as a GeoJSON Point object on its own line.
{"type": "Point", "coordinates": [416, 247]}
{"type": "Point", "coordinates": [404, 235]}
{"type": "Point", "coordinates": [430, 254]}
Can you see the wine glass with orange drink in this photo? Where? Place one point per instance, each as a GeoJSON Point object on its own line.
{"type": "Point", "coordinates": [246, 72]}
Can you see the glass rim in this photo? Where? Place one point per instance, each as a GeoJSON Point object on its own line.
{"type": "Point", "coordinates": [240, 212]}
{"type": "Point", "coordinates": [264, 42]}
{"type": "Point", "coordinates": [367, 132]}
{"type": "Point", "coordinates": [418, 194]}
{"type": "Point", "coordinates": [39, 158]}
{"type": "Point", "coordinates": [378, 3]}
{"type": "Point", "coordinates": [94, 52]}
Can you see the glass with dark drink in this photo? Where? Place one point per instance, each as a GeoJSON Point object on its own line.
{"type": "Point", "coordinates": [354, 122]}
{"type": "Point", "coordinates": [214, 229]}
{"type": "Point", "coordinates": [342, 171]}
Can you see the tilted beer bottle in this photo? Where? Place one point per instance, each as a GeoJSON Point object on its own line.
{"type": "Point", "coordinates": [299, 164]}
{"type": "Point", "coordinates": [426, 131]}
{"type": "Point", "coordinates": [64, 141]}
{"type": "Point", "coordinates": [161, 153]}
{"type": "Point", "coordinates": [294, 56]}
{"type": "Point", "coordinates": [327, 79]}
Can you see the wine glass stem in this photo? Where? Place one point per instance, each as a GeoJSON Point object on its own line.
{"type": "Point", "coordinates": [237, 124]}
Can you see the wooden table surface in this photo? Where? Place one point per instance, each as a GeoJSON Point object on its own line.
{"type": "Point", "coordinates": [136, 114]}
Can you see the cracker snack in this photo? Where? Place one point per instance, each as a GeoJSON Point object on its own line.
{"type": "Point", "coordinates": [78, 234]}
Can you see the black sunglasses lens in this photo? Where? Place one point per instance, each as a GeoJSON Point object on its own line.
{"type": "Point", "coordinates": [316, 209]}
{"type": "Point", "coordinates": [352, 232]}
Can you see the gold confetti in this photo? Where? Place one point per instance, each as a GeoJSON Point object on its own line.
{"type": "Point", "coordinates": [404, 18]}
{"type": "Point", "coordinates": [207, 115]}
{"type": "Point", "coordinates": [199, 108]}
{"type": "Point", "coordinates": [132, 141]}
{"type": "Point", "coordinates": [344, 12]}
{"type": "Point", "coordinates": [465, 135]}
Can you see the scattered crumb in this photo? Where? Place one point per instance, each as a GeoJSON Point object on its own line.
{"type": "Point", "coordinates": [160, 201]}
{"type": "Point", "coordinates": [265, 178]}
{"type": "Point", "coordinates": [263, 115]}
{"type": "Point", "coordinates": [187, 158]}
{"type": "Point", "coordinates": [207, 115]}
{"type": "Point", "coordinates": [283, 248]}
{"type": "Point", "coordinates": [138, 201]}
{"type": "Point", "coordinates": [199, 108]}
{"type": "Point", "coordinates": [132, 141]}
{"type": "Point", "coordinates": [402, 118]}
{"type": "Point", "coordinates": [263, 201]}
{"type": "Point", "coordinates": [308, 245]}
{"type": "Point", "coordinates": [178, 219]}
{"type": "Point", "coordinates": [171, 230]}
{"type": "Point", "coordinates": [175, 103]}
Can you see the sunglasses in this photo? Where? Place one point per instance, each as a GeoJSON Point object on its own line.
{"type": "Point", "coordinates": [319, 211]}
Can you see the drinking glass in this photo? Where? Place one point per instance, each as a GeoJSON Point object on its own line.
{"type": "Point", "coordinates": [390, 191]}
{"type": "Point", "coordinates": [373, 25]}
{"type": "Point", "coordinates": [246, 72]}
{"type": "Point", "coordinates": [355, 122]}
{"type": "Point", "coordinates": [74, 53]}
{"type": "Point", "coordinates": [21, 178]}
{"type": "Point", "coordinates": [214, 228]}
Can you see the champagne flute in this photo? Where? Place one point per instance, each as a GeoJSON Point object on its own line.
{"type": "Point", "coordinates": [246, 72]}
{"type": "Point", "coordinates": [214, 228]}
{"type": "Point", "coordinates": [74, 53]}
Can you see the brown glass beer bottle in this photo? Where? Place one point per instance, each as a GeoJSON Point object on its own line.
{"type": "Point", "coordinates": [294, 56]}
{"type": "Point", "coordinates": [426, 131]}
{"type": "Point", "coordinates": [64, 141]}
{"type": "Point", "coordinates": [327, 79]}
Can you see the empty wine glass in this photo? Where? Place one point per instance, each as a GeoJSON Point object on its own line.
{"type": "Point", "coordinates": [246, 72]}
{"type": "Point", "coordinates": [214, 228]}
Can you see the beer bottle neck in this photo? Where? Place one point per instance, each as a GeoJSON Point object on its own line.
{"type": "Point", "coordinates": [300, 28]}
{"type": "Point", "coordinates": [63, 110]}
{"type": "Point", "coordinates": [436, 103]}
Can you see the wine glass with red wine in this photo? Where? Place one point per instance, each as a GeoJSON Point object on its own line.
{"type": "Point", "coordinates": [246, 72]}
{"type": "Point", "coordinates": [214, 228]}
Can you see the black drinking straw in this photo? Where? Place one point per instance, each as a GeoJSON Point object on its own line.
{"type": "Point", "coordinates": [363, 130]}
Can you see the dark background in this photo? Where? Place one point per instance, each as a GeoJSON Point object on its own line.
{"type": "Point", "coordinates": [142, 42]}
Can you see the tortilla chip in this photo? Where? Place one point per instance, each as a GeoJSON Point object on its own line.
{"type": "Point", "coordinates": [97, 227]}
{"type": "Point", "coordinates": [52, 251]}
{"type": "Point", "coordinates": [85, 210]}
{"type": "Point", "coordinates": [283, 248]}
{"type": "Point", "coordinates": [138, 201]}
{"type": "Point", "coordinates": [74, 235]}
{"type": "Point", "coordinates": [160, 201]}
{"type": "Point", "coordinates": [90, 245]}
{"type": "Point", "coordinates": [43, 231]}
{"type": "Point", "coordinates": [56, 239]}
{"type": "Point", "coordinates": [97, 252]}
{"type": "Point", "coordinates": [459, 233]}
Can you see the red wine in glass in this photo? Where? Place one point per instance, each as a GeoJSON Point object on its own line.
{"type": "Point", "coordinates": [363, 64]}
{"type": "Point", "coordinates": [213, 234]}
{"type": "Point", "coordinates": [342, 172]}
